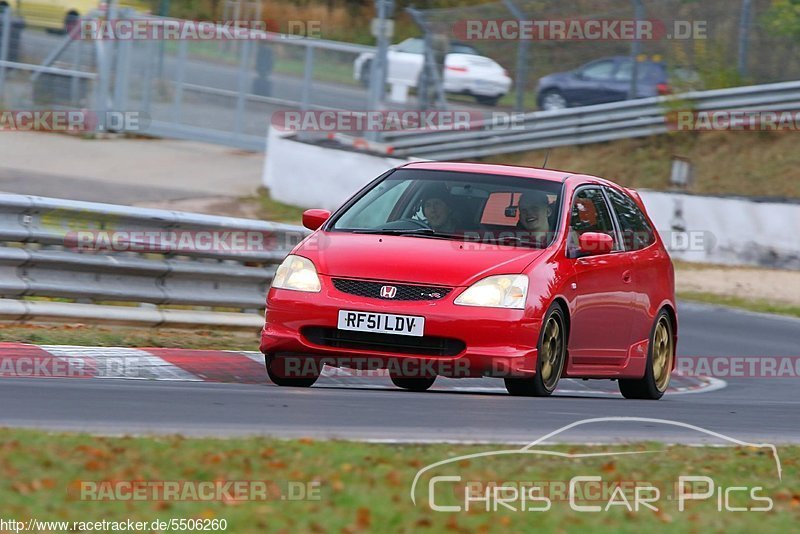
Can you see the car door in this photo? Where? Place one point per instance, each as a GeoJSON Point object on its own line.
{"type": "Point", "coordinates": [647, 260]}
{"type": "Point", "coordinates": [601, 321]}
{"type": "Point", "coordinates": [592, 83]}
{"type": "Point", "coordinates": [620, 86]}
{"type": "Point", "coordinates": [405, 62]}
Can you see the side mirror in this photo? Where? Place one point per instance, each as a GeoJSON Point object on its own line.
{"type": "Point", "coordinates": [595, 243]}
{"type": "Point", "coordinates": [313, 219]}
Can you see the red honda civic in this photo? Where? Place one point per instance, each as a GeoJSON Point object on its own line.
{"type": "Point", "coordinates": [471, 270]}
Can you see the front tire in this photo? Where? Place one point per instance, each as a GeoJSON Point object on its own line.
{"type": "Point", "coordinates": [660, 356]}
{"type": "Point", "coordinates": [417, 384]}
{"type": "Point", "coordinates": [551, 100]}
{"type": "Point", "coordinates": [550, 361]}
{"type": "Point", "coordinates": [276, 370]}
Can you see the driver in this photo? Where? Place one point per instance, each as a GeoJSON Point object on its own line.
{"type": "Point", "coordinates": [438, 210]}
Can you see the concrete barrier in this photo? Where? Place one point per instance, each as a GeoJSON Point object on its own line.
{"type": "Point", "coordinates": [313, 176]}
{"type": "Point", "coordinates": [732, 231]}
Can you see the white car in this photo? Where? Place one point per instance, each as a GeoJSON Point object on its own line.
{"type": "Point", "coordinates": [465, 70]}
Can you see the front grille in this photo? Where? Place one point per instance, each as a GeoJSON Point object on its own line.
{"type": "Point", "coordinates": [364, 288]}
{"type": "Point", "coordinates": [391, 343]}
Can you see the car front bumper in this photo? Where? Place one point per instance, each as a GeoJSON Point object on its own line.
{"type": "Point", "coordinates": [487, 341]}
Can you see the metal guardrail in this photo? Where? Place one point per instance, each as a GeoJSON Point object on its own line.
{"type": "Point", "coordinates": [167, 285]}
{"type": "Point", "coordinates": [590, 124]}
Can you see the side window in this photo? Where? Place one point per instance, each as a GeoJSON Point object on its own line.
{"type": "Point", "coordinates": [601, 70]}
{"type": "Point", "coordinates": [636, 232]}
{"type": "Point", "coordinates": [625, 71]}
{"type": "Point", "coordinates": [412, 46]}
{"type": "Point", "coordinates": [590, 213]}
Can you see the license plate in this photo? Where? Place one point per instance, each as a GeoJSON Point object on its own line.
{"type": "Point", "coordinates": [382, 323]}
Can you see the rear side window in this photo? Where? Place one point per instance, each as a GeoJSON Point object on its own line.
{"type": "Point", "coordinates": [636, 232]}
{"type": "Point", "coordinates": [494, 212]}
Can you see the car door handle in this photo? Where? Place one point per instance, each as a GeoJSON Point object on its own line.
{"type": "Point", "coordinates": [626, 277]}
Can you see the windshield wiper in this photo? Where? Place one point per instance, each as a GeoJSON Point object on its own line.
{"type": "Point", "coordinates": [416, 232]}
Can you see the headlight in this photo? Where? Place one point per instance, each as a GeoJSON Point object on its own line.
{"type": "Point", "coordinates": [504, 291]}
{"type": "Point", "coordinates": [298, 274]}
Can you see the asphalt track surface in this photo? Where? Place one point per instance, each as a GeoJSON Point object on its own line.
{"type": "Point", "coordinates": [748, 409]}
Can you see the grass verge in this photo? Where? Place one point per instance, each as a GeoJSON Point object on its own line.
{"type": "Point", "coordinates": [359, 487]}
{"type": "Point", "coordinates": [270, 209]}
{"type": "Point", "coordinates": [121, 336]}
{"type": "Point", "coordinates": [756, 305]}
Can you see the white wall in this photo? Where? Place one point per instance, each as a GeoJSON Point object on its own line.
{"type": "Point", "coordinates": [734, 231]}
{"type": "Point", "coordinates": [315, 177]}
{"type": "Point", "coordinates": [720, 230]}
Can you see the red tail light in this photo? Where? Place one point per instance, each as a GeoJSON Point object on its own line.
{"type": "Point", "coordinates": [457, 69]}
{"type": "Point", "coordinates": [664, 89]}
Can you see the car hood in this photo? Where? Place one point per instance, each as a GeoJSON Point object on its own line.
{"type": "Point", "coordinates": [555, 78]}
{"type": "Point", "coordinates": [412, 259]}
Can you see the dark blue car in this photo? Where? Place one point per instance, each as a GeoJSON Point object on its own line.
{"type": "Point", "coordinates": [602, 80]}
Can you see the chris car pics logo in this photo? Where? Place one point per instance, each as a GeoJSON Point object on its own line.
{"type": "Point", "coordinates": [451, 490]}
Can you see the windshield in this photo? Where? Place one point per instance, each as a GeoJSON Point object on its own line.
{"type": "Point", "coordinates": [453, 205]}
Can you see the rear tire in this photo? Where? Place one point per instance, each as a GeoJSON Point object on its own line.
{"type": "Point", "coordinates": [487, 100]}
{"type": "Point", "coordinates": [417, 384]}
{"type": "Point", "coordinates": [274, 365]}
{"type": "Point", "coordinates": [550, 361]}
{"type": "Point", "coordinates": [366, 73]}
{"type": "Point", "coordinates": [70, 21]}
{"type": "Point", "coordinates": [660, 356]}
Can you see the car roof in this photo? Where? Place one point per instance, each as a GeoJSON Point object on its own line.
{"type": "Point", "coordinates": [491, 168]}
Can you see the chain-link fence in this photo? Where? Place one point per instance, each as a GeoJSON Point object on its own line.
{"type": "Point", "coordinates": [41, 70]}
{"type": "Point", "coordinates": [223, 90]}
{"type": "Point", "coordinates": [718, 43]}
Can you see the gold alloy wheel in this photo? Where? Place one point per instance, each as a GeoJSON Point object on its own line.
{"type": "Point", "coordinates": [552, 354]}
{"type": "Point", "coordinates": [663, 354]}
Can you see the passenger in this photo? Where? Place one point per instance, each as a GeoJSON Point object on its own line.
{"type": "Point", "coordinates": [534, 216]}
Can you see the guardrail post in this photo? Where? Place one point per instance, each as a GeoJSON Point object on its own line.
{"type": "Point", "coordinates": [308, 81]}
{"type": "Point", "coordinates": [238, 122]}
{"type": "Point", "coordinates": [123, 68]}
{"type": "Point", "coordinates": [522, 58]}
{"type": "Point", "coordinates": [5, 43]}
{"type": "Point", "coordinates": [180, 72]}
{"type": "Point", "coordinates": [636, 48]}
{"type": "Point", "coordinates": [103, 85]}
{"type": "Point", "coordinates": [147, 82]}
{"type": "Point", "coordinates": [744, 37]}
